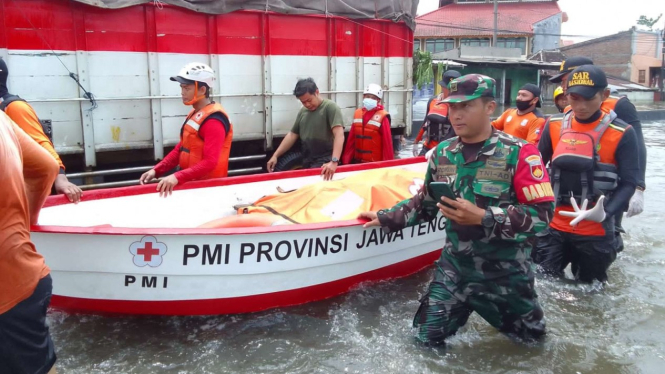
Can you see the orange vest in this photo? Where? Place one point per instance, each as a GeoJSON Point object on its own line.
{"type": "Point", "coordinates": [436, 129]}
{"type": "Point", "coordinates": [368, 141]}
{"type": "Point", "coordinates": [606, 148]}
{"type": "Point", "coordinates": [609, 104]}
{"type": "Point", "coordinates": [437, 100]}
{"type": "Point", "coordinates": [191, 144]}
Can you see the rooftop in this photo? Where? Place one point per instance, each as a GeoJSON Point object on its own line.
{"type": "Point", "coordinates": [455, 20]}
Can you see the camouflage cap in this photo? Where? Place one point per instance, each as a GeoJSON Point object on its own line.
{"type": "Point", "coordinates": [470, 87]}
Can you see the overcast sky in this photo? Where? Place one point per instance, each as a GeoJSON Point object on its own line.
{"type": "Point", "coordinates": [593, 18]}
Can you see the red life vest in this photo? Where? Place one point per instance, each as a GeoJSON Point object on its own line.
{"type": "Point", "coordinates": [368, 141]}
{"type": "Point", "coordinates": [577, 152]}
{"type": "Point", "coordinates": [191, 143]}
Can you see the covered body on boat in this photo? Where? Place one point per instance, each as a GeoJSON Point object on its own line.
{"type": "Point", "coordinates": [129, 251]}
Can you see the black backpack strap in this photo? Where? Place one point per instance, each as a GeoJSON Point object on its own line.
{"type": "Point", "coordinates": [8, 99]}
{"type": "Point", "coordinates": [556, 184]}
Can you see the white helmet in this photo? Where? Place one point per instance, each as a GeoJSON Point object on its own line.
{"type": "Point", "coordinates": [374, 89]}
{"type": "Point", "coordinates": [195, 72]}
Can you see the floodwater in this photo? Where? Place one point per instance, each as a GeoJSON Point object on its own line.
{"type": "Point", "coordinates": [616, 329]}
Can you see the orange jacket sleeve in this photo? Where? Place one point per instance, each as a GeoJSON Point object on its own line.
{"type": "Point", "coordinates": [39, 172]}
{"type": "Point", "coordinates": [535, 127]}
{"type": "Point", "coordinates": [26, 118]}
{"type": "Point", "coordinates": [421, 133]}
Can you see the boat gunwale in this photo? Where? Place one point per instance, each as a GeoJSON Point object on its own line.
{"type": "Point", "coordinates": [219, 182]}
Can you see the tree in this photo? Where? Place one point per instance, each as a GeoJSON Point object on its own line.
{"type": "Point", "coordinates": [648, 22]}
{"type": "Point", "coordinates": [422, 68]}
{"type": "Point", "coordinates": [423, 71]}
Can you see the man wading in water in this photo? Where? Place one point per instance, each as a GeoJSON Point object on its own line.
{"type": "Point", "coordinates": [505, 198]}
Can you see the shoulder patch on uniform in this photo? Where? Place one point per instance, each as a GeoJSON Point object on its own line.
{"type": "Point", "coordinates": [535, 166]}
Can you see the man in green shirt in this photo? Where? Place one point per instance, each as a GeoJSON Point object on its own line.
{"type": "Point", "coordinates": [320, 126]}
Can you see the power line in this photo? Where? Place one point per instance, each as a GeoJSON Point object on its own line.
{"type": "Point", "coordinates": [508, 31]}
{"type": "Point", "coordinates": [87, 95]}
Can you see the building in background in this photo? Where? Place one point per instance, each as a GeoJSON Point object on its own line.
{"type": "Point", "coordinates": [633, 55]}
{"type": "Point", "coordinates": [530, 25]}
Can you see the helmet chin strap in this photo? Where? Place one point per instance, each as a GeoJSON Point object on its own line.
{"type": "Point", "coordinates": [196, 98]}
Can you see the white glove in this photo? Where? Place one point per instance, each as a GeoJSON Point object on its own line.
{"type": "Point", "coordinates": [636, 205]}
{"type": "Point", "coordinates": [416, 149]}
{"type": "Point", "coordinates": [428, 155]}
{"type": "Point", "coordinates": [597, 214]}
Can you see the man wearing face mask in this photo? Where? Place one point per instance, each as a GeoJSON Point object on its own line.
{"type": "Point", "coordinates": [525, 121]}
{"type": "Point", "coordinates": [369, 139]}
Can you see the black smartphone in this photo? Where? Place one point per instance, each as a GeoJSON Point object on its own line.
{"type": "Point", "coordinates": [440, 189]}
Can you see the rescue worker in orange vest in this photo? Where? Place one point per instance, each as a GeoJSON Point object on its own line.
{"type": "Point", "coordinates": [526, 121]}
{"type": "Point", "coordinates": [25, 117]}
{"type": "Point", "coordinates": [625, 111]}
{"type": "Point", "coordinates": [370, 139]}
{"type": "Point", "coordinates": [560, 100]}
{"type": "Point", "coordinates": [205, 136]}
{"type": "Point", "coordinates": [594, 170]}
{"type": "Point", "coordinates": [436, 127]}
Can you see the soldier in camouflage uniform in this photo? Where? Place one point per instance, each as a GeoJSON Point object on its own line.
{"type": "Point", "coordinates": [505, 198]}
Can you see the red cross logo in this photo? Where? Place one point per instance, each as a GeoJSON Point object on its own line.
{"type": "Point", "coordinates": [148, 251]}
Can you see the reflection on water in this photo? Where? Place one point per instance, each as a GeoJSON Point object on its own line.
{"type": "Point", "coordinates": [617, 329]}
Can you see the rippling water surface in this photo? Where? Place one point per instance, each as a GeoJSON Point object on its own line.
{"type": "Point", "coordinates": [617, 329]}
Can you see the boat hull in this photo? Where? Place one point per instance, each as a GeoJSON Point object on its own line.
{"type": "Point", "coordinates": [208, 274]}
{"type": "Point", "coordinates": [106, 267]}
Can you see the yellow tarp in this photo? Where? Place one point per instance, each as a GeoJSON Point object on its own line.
{"type": "Point", "coordinates": [341, 199]}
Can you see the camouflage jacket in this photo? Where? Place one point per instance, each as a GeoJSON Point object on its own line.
{"type": "Point", "coordinates": [507, 177]}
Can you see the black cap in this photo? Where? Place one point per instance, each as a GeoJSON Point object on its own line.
{"type": "Point", "coordinates": [448, 76]}
{"type": "Point", "coordinates": [586, 81]}
{"type": "Point", "coordinates": [535, 90]}
{"type": "Point", "coordinates": [182, 80]}
{"type": "Point", "coordinates": [569, 65]}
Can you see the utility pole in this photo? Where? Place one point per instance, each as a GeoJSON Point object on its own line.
{"type": "Point", "coordinates": [496, 22]}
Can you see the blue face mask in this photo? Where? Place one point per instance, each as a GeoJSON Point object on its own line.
{"type": "Point", "coordinates": [369, 104]}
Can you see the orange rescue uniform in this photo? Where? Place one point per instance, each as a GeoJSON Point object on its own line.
{"type": "Point", "coordinates": [191, 148]}
{"type": "Point", "coordinates": [26, 118]}
{"type": "Point", "coordinates": [526, 127]}
{"type": "Point", "coordinates": [440, 110]}
{"type": "Point", "coordinates": [27, 172]}
{"type": "Point", "coordinates": [370, 137]}
{"type": "Point", "coordinates": [606, 152]}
